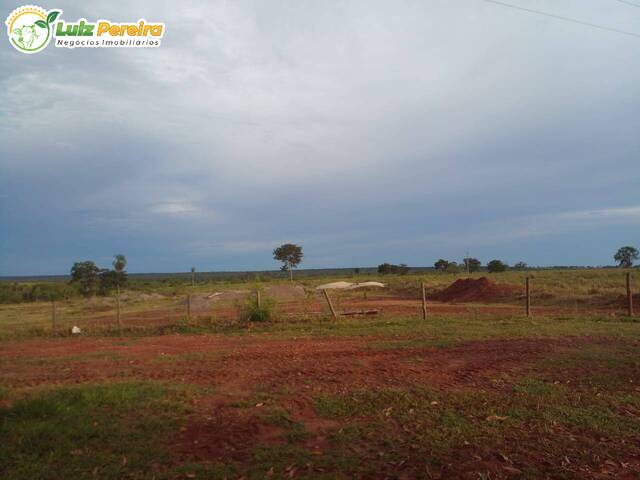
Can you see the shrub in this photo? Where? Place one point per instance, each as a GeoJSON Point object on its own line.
{"type": "Point", "coordinates": [495, 266]}
{"type": "Point", "coordinates": [254, 313]}
{"type": "Point", "coordinates": [453, 267]}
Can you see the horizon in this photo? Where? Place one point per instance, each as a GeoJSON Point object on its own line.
{"type": "Point", "coordinates": [284, 274]}
{"type": "Point", "coordinates": [364, 132]}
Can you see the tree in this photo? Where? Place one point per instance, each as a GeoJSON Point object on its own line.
{"type": "Point", "coordinates": [119, 264]}
{"type": "Point", "coordinates": [85, 274]}
{"type": "Point", "coordinates": [290, 255]}
{"type": "Point", "coordinates": [113, 279]}
{"type": "Point", "coordinates": [625, 256]}
{"type": "Point", "coordinates": [495, 266]}
{"type": "Point", "coordinates": [471, 264]}
{"type": "Point", "coordinates": [520, 266]}
{"type": "Point", "coordinates": [441, 265]}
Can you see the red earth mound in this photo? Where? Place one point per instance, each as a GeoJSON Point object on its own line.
{"type": "Point", "coordinates": [476, 290]}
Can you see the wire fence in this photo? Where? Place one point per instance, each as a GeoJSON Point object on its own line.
{"type": "Point", "coordinates": [288, 303]}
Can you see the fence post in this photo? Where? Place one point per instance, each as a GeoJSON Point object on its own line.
{"type": "Point", "coordinates": [119, 319]}
{"type": "Point", "coordinates": [424, 302]}
{"type": "Point", "coordinates": [528, 293]}
{"type": "Point", "coordinates": [54, 319]}
{"type": "Point", "coordinates": [333, 311]}
{"type": "Point", "coordinates": [258, 299]}
{"type": "Point", "coordinates": [629, 296]}
{"type": "Point", "coordinates": [189, 307]}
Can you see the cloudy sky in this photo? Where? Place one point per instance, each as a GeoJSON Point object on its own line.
{"type": "Point", "coordinates": [367, 131]}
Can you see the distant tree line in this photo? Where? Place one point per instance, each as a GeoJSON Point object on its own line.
{"type": "Point", "coordinates": [387, 268]}
{"type": "Point", "coordinates": [470, 264]}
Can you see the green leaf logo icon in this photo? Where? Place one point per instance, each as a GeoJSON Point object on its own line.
{"type": "Point", "coordinates": [52, 16]}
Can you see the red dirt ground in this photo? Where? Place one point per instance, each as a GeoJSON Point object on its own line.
{"type": "Point", "coordinates": [239, 368]}
{"type": "Point", "coordinates": [482, 289]}
{"type": "Point", "coordinates": [241, 364]}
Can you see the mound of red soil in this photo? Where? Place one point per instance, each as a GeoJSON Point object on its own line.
{"type": "Point", "coordinates": [476, 290]}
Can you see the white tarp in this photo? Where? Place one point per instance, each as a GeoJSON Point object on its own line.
{"type": "Point", "coordinates": [349, 285]}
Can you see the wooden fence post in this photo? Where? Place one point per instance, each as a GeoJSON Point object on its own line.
{"type": "Point", "coordinates": [333, 311]}
{"type": "Point", "coordinates": [54, 319]}
{"type": "Point", "coordinates": [424, 302]}
{"type": "Point", "coordinates": [189, 307]}
{"type": "Point", "coordinates": [258, 299]}
{"type": "Point", "coordinates": [629, 296]}
{"type": "Point", "coordinates": [119, 319]}
{"type": "Point", "coordinates": [528, 293]}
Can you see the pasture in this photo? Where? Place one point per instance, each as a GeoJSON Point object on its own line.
{"type": "Point", "coordinates": [186, 387]}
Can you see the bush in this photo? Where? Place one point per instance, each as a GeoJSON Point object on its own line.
{"type": "Point", "coordinates": [495, 266]}
{"type": "Point", "coordinates": [32, 292]}
{"type": "Point", "coordinates": [263, 313]}
{"type": "Point", "coordinates": [453, 267]}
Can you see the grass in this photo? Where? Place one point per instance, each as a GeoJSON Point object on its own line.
{"type": "Point", "coordinates": [409, 426]}
{"type": "Point", "coordinates": [93, 431]}
{"type": "Point", "coordinates": [576, 290]}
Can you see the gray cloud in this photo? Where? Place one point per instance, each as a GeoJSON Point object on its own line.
{"type": "Point", "coordinates": [352, 127]}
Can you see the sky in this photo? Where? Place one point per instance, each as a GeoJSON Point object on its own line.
{"type": "Point", "coordinates": [365, 131]}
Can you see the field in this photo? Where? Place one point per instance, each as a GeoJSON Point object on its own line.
{"type": "Point", "coordinates": [477, 390]}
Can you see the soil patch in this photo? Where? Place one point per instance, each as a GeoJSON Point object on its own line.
{"type": "Point", "coordinates": [482, 289]}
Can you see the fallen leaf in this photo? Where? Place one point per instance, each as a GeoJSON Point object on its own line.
{"type": "Point", "coordinates": [495, 418]}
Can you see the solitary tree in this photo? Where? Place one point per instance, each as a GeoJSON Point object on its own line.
{"type": "Point", "coordinates": [495, 266]}
{"type": "Point", "coordinates": [119, 264]}
{"type": "Point", "coordinates": [520, 266]}
{"type": "Point", "coordinates": [471, 264]}
{"type": "Point", "coordinates": [116, 278]}
{"type": "Point", "coordinates": [290, 255]}
{"type": "Point", "coordinates": [85, 274]}
{"type": "Point", "coordinates": [625, 256]}
{"type": "Point", "coordinates": [441, 265]}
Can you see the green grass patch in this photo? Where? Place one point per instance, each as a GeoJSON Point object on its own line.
{"type": "Point", "coordinates": [98, 431]}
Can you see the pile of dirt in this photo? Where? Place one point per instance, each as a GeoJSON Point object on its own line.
{"type": "Point", "coordinates": [482, 289]}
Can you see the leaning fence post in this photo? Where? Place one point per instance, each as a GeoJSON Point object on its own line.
{"type": "Point", "coordinates": [333, 311]}
{"type": "Point", "coordinates": [424, 302]}
{"type": "Point", "coordinates": [629, 296]}
{"type": "Point", "coordinates": [528, 293]}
